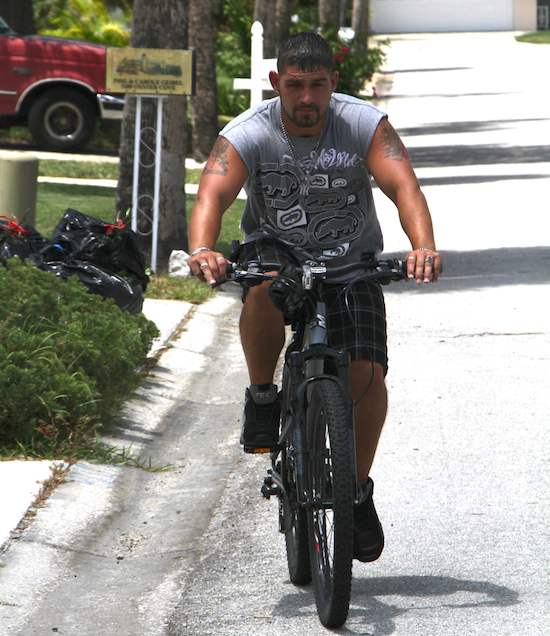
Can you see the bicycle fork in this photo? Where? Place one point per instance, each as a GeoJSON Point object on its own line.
{"type": "Point", "coordinates": [295, 428]}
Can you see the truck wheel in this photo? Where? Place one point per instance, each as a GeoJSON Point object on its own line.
{"type": "Point", "coordinates": [62, 119]}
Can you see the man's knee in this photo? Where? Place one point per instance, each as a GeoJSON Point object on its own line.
{"type": "Point", "coordinates": [257, 300]}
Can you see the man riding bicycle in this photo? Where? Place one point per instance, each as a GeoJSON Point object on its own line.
{"type": "Point", "coordinates": [305, 159]}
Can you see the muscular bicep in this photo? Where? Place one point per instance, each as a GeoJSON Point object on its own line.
{"type": "Point", "coordinates": [223, 176]}
{"type": "Point", "coordinates": [388, 162]}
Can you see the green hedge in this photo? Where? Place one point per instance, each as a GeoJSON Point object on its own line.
{"type": "Point", "coordinates": [68, 359]}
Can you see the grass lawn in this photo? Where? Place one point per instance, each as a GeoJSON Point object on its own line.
{"type": "Point", "coordinates": [93, 170]}
{"type": "Point", "coordinates": [53, 199]}
{"type": "Point", "coordinates": [538, 37]}
{"type": "Point", "coordinates": [77, 169]}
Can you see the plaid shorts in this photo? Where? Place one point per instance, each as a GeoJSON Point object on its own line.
{"type": "Point", "coordinates": [356, 312]}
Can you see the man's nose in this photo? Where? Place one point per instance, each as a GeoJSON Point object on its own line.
{"type": "Point", "coordinates": [307, 97]}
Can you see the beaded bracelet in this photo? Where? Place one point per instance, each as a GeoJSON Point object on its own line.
{"type": "Point", "coordinates": [425, 249]}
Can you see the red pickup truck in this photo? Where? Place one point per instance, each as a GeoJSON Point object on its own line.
{"type": "Point", "coordinates": [56, 87]}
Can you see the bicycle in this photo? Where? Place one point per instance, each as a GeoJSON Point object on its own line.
{"type": "Point", "coordinates": [313, 465]}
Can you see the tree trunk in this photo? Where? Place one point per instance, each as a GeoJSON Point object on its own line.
{"type": "Point", "coordinates": [343, 13]}
{"type": "Point", "coordinates": [157, 24]}
{"type": "Point", "coordinates": [285, 9]}
{"type": "Point", "coordinates": [204, 105]}
{"type": "Point", "coordinates": [265, 12]}
{"type": "Point", "coordinates": [360, 20]}
{"type": "Point", "coordinates": [19, 15]}
{"type": "Point", "coordinates": [329, 15]}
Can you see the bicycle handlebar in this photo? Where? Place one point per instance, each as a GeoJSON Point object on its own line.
{"type": "Point", "coordinates": [381, 270]}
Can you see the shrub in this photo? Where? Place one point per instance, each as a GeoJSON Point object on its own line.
{"type": "Point", "coordinates": [230, 101]}
{"type": "Point", "coordinates": [356, 62]}
{"type": "Point", "coordinates": [68, 359]}
{"type": "Point", "coordinates": [83, 20]}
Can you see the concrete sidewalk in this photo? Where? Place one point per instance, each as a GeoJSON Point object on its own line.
{"type": "Point", "coordinates": [22, 481]}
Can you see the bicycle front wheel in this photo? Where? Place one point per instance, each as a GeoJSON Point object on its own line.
{"type": "Point", "coordinates": [330, 519]}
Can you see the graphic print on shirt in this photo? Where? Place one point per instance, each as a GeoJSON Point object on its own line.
{"type": "Point", "coordinates": [325, 216]}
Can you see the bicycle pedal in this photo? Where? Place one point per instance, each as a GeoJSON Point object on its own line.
{"type": "Point", "coordinates": [252, 450]}
{"type": "Point", "coordinates": [261, 449]}
{"type": "Point", "coordinates": [267, 491]}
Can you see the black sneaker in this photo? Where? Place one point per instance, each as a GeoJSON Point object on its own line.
{"type": "Point", "coordinates": [262, 411]}
{"type": "Point", "coordinates": [368, 537]}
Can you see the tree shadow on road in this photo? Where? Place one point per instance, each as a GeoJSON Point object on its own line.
{"type": "Point", "coordinates": [403, 594]}
{"type": "Point", "coordinates": [479, 269]}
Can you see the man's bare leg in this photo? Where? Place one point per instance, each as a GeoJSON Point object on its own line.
{"type": "Point", "coordinates": [370, 412]}
{"type": "Point", "coordinates": [262, 334]}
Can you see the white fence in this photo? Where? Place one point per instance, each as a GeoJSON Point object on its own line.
{"type": "Point", "coordinates": [259, 68]}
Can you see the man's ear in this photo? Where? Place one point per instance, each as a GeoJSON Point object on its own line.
{"type": "Point", "coordinates": [274, 79]}
{"type": "Point", "coordinates": [334, 80]}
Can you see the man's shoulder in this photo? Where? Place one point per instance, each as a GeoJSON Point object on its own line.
{"type": "Point", "coordinates": [255, 118]}
{"type": "Point", "coordinates": [346, 104]}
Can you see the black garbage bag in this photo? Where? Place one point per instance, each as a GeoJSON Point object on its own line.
{"type": "Point", "coordinates": [112, 247]}
{"type": "Point", "coordinates": [128, 296]}
{"type": "Point", "coordinates": [104, 257]}
{"type": "Point", "coordinates": [19, 240]}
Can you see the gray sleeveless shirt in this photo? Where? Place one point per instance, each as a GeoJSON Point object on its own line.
{"type": "Point", "coordinates": [334, 217]}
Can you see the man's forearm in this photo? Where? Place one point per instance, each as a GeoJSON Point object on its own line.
{"type": "Point", "coordinates": [415, 219]}
{"type": "Point", "coordinates": [204, 227]}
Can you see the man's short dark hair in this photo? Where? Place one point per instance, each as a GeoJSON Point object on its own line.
{"type": "Point", "coordinates": [307, 51]}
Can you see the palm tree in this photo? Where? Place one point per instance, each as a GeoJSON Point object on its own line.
{"type": "Point", "coordinates": [329, 15]}
{"type": "Point", "coordinates": [204, 105]}
{"type": "Point", "coordinates": [360, 21]}
{"type": "Point", "coordinates": [265, 13]}
{"type": "Point", "coordinates": [283, 15]}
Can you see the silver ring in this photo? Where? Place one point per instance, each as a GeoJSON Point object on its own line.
{"type": "Point", "coordinates": [429, 260]}
{"type": "Point", "coordinates": [411, 258]}
{"type": "Point", "coordinates": [203, 265]}
{"type": "Point", "coordinates": [221, 258]}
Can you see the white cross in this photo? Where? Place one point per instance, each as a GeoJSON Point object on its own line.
{"type": "Point", "coordinates": [259, 68]}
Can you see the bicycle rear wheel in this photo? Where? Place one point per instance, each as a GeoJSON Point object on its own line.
{"type": "Point", "coordinates": [297, 538]}
{"type": "Point", "coordinates": [297, 551]}
{"type": "Point", "coordinates": [330, 519]}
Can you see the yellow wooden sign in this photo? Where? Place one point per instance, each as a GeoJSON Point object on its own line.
{"type": "Point", "coordinates": [150, 71]}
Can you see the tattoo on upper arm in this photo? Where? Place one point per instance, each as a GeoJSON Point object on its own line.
{"type": "Point", "coordinates": [393, 146]}
{"type": "Point", "coordinates": [217, 162]}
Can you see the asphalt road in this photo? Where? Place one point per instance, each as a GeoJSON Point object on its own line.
{"type": "Point", "coordinates": [461, 475]}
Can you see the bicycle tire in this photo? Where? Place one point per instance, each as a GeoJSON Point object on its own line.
{"type": "Point", "coordinates": [297, 538]}
{"type": "Point", "coordinates": [330, 526]}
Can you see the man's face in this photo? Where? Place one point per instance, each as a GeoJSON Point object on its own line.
{"type": "Point", "coordinates": [305, 95]}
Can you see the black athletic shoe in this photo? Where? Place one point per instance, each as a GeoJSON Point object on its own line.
{"type": "Point", "coordinates": [368, 537]}
{"type": "Point", "coordinates": [262, 411]}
